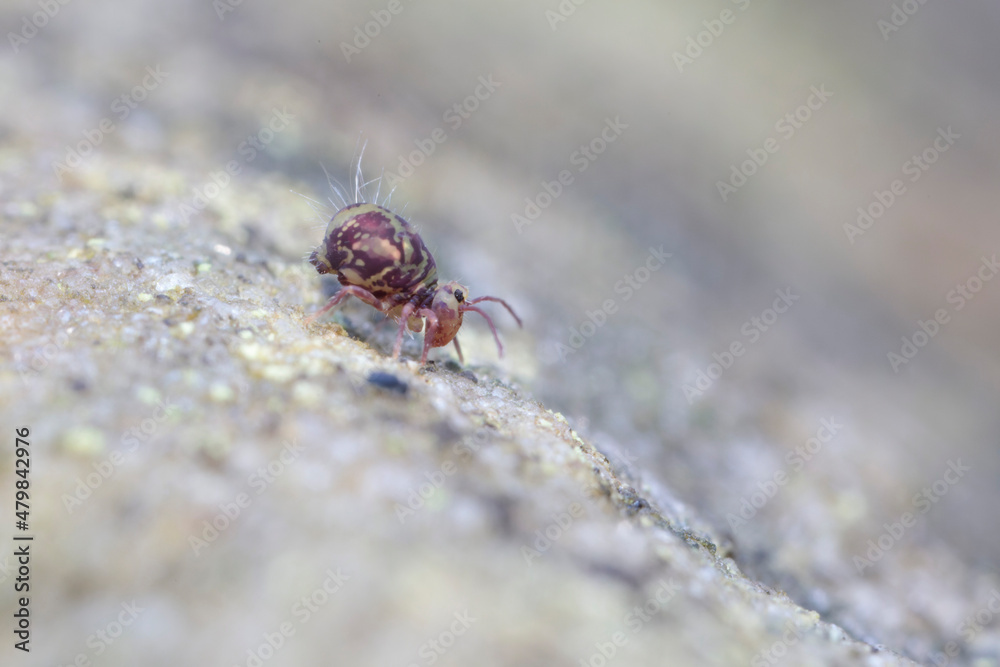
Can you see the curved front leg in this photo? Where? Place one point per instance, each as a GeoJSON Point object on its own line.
{"type": "Point", "coordinates": [502, 303]}
{"type": "Point", "coordinates": [466, 307]}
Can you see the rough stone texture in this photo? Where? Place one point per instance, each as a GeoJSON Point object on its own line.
{"type": "Point", "coordinates": [170, 385]}
{"type": "Point", "coordinates": [128, 304]}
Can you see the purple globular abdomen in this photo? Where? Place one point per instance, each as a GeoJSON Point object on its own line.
{"type": "Point", "coordinates": [371, 247]}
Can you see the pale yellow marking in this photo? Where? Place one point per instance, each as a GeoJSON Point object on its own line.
{"type": "Point", "coordinates": [383, 248]}
{"type": "Point", "coordinates": [351, 276]}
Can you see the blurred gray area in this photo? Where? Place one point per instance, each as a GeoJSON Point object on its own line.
{"type": "Point", "coordinates": [681, 130]}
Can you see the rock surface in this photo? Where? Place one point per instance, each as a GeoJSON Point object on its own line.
{"type": "Point", "coordinates": [226, 480]}
{"type": "Point", "coordinates": [153, 296]}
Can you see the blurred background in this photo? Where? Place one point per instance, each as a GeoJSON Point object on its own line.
{"type": "Point", "coordinates": [823, 177]}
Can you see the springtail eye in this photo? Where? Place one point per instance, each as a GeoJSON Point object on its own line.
{"type": "Point", "coordinates": [459, 296]}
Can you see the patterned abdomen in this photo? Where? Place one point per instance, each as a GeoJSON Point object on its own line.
{"type": "Point", "coordinates": [373, 248]}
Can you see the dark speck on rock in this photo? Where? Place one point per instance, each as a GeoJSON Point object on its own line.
{"type": "Point", "coordinates": [503, 510]}
{"type": "Point", "coordinates": [469, 375]}
{"type": "Point", "coordinates": [634, 503]}
{"type": "Point", "coordinates": [617, 573]}
{"type": "Point", "coordinates": [387, 381]}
